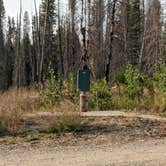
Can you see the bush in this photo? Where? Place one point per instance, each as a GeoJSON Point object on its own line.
{"type": "Point", "coordinates": [69, 89]}
{"type": "Point", "coordinates": [100, 95]}
{"type": "Point", "coordinates": [159, 103]}
{"type": "Point", "coordinates": [134, 83]}
{"type": "Point", "coordinates": [160, 77]}
{"type": "Point", "coordinates": [52, 93]}
{"type": "Point", "coordinates": [120, 77]}
{"type": "Point", "coordinates": [160, 83]}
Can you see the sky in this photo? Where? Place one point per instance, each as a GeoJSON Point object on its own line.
{"type": "Point", "coordinates": [12, 6]}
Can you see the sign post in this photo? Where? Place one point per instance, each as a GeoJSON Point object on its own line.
{"type": "Point", "coordinates": [83, 83]}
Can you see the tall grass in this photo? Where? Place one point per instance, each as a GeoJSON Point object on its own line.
{"type": "Point", "coordinates": [13, 104]}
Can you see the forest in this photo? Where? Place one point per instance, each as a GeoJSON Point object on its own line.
{"type": "Point", "coordinates": [47, 119]}
{"type": "Point", "coordinates": [122, 42]}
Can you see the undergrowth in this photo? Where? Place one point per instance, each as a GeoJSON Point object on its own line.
{"type": "Point", "coordinates": [131, 90]}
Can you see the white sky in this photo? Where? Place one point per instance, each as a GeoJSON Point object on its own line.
{"type": "Point", "coordinates": [12, 6]}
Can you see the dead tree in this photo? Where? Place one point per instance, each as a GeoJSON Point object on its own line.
{"type": "Point", "coordinates": [112, 26]}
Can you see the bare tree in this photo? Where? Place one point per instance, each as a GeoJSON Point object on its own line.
{"type": "Point", "coordinates": [112, 30]}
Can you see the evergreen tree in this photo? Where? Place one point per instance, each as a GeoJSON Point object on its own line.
{"type": "Point", "coordinates": [134, 32]}
{"type": "Point", "coordinates": [10, 52]}
{"type": "Point", "coordinates": [47, 33]}
{"type": "Point", "coordinates": [2, 51]}
{"type": "Point", "coordinates": [26, 51]}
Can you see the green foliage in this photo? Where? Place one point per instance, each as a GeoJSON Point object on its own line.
{"type": "Point", "coordinates": [159, 104]}
{"type": "Point", "coordinates": [134, 31]}
{"type": "Point", "coordinates": [124, 102]}
{"type": "Point", "coordinates": [101, 95]}
{"type": "Point", "coordinates": [134, 82]}
{"type": "Point", "coordinates": [52, 93]}
{"type": "Point", "coordinates": [160, 83]}
{"type": "Point", "coordinates": [141, 91]}
{"type": "Point", "coordinates": [160, 77]}
{"type": "Point", "coordinates": [135, 90]}
{"type": "Point", "coordinates": [69, 89]}
{"type": "Point", "coordinates": [148, 82]}
{"type": "Point", "coordinates": [120, 77]}
{"type": "Point", "coordinates": [55, 91]}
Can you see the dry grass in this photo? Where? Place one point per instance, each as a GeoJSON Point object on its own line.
{"type": "Point", "coordinates": [67, 122]}
{"type": "Point", "coordinates": [13, 104]}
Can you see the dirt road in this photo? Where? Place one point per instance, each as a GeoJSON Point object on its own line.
{"type": "Point", "coordinates": [110, 139]}
{"type": "Point", "coordinates": [149, 152]}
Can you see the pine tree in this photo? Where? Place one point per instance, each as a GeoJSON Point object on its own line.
{"type": "Point", "coordinates": [10, 52]}
{"type": "Point", "coordinates": [47, 33]}
{"type": "Point", "coordinates": [134, 32]}
{"type": "Point", "coordinates": [26, 51]}
{"type": "Point", "coordinates": [2, 51]}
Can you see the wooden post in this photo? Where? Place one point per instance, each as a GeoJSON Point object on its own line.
{"type": "Point", "coordinates": [83, 102]}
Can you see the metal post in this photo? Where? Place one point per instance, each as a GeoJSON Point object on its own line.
{"type": "Point", "coordinates": [83, 102]}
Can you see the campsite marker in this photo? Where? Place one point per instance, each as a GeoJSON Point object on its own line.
{"type": "Point", "coordinates": [83, 83]}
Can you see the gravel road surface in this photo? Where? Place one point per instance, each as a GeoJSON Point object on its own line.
{"type": "Point", "coordinates": [149, 152]}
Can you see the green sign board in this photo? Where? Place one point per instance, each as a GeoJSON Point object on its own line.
{"type": "Point", "coordinates": [83, 80]}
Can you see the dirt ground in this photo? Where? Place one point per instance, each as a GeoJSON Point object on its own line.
{"type": "Point", "coordinates": [137, 153]}
{"type": "Point", "coordinates": [106, 139]}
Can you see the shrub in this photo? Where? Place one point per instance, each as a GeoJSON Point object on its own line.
{"type": "Point", "coordinates": [101, 95]}
{"type": "Point", "coordinates": [134, 82]}
{"type": "Point", "coordinates": [160, 77]}
{"type": "Point", "coordinates": [120, 77]}
{"type": "Point", "coordinates": [148, 83]}
{"type": "Point", "coordinates": [69, 89]}
{"type": "Point", "coordinates": [52, 93]}
{"type": "Point", "coordinates": [159, 103]}
{"type": "Point", "coordinates": [160, 83]}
